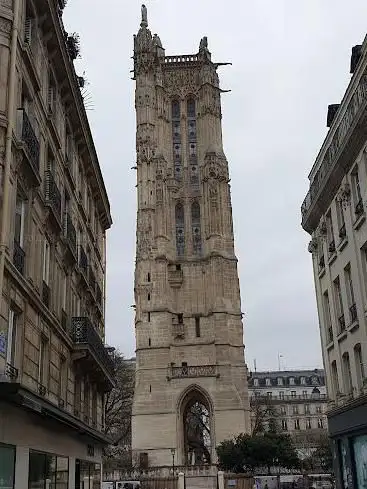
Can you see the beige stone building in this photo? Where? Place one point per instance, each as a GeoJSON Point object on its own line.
{"type": "Point", "coordinates": [296, 400]}
{"type": "Point", "coordinates": [334, 214]}
{"type": "Point", "coordinates": [54, 367]}
{"type": "Point", "coordinates": [191, 376]}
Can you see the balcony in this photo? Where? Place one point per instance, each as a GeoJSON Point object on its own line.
{"type": "Point", "coordinates": [192, 371]}
{"type": "Point", "coordinates": [70, 237]}
{"type": "Point", "coordinates": [53, 199]}
{"type": "Point", "coordinates": [264, 398]}
{"type": "Point", "coordinates": [18, 257]}
{"type": "Point", "coordinates": [9, 374]}
{"type": "Point", "coordinates": [90, 352]}
{"type": "Point", "coordinates": [340, 149]}
{"type": "Point", "coordinates": [29, 144]}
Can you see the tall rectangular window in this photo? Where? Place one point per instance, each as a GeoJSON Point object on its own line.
{"type": "Point", "coordinates": [46, 261]}
{"type": "Point", "coordinates": [63, 372]}
{"type": "Point", "coordinates": [330, 233]}
{"type": "Point", "coordinates": [47, 471]}
{"type": "Point", "coordinates": [42, 360]}
{"type": "Point", "coordinates": [197, 326]}
{"type": "Point", "coordinates": [7, 466]}
{"type": "Point", "coordinates": [340, 218]}
{"type": "Point", "coordinates": [339, 304]}
{"type": "Point", "coordinates": [359, 364]}
{"type": "Point", "coordinates": [11, 337]}
{"type": "Point", "coordinates": [19, 221]}
{"type": "Point", "coordinates": [327, 318]}
{"type": "Point", "coordinates": [64, 291]}
{"type": "Point", "coordinates": [356, 186]}
{"type": "Point", "coordinates": [350, 294]}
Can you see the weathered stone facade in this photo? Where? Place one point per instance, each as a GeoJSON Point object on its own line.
{"type": "Point", "coordinates": [189, 334]}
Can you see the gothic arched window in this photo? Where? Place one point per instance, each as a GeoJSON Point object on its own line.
{"type": "Point", "coordinates": [196, 228]}
{"type": "Point", "coordinates": [180, 229]}
{"type": "Point", "coordinates": [191, 137]}
{"type": "Point", "coordinates": [176, 138]}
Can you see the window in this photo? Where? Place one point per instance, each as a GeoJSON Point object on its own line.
{"type": "Point", "coordinates": [359, 364]}
{"type": "Point", "coordinates": [196, 228]}
{"type": "Point", "coordinates": [283, 410]}
{"type": "Point", "coordinates": [307, 409]}
{"type": "Point", "coordinates": [11, 338]}
{"type": "Point", "coordinates": [327, 319]}
{"type": "Point", "coordinates": [191, 137]}
{"type": "Point", "coordinates": [63, 373]}
{"type": "Point", "coordinates": [180, 318]}
{"type": "Point", "coordinates": [87, 474]}
{"type": "Point", "coordinates": [356, 192]}
{"type": "Point", "coordinates": [350, 294]}
{"type": "Point", "coordinates": [296, 424]}
{"type": "Point", "coordinates": [176, 137]}
{"type": "Point", "coordinates": [86, 401]}
{"type": "Point", "coordinates": [77, 396]}
{"type": "Point", "coordinates": [330, 233]}
{"type": "Point", "coordinates": [339, 304]}
{"type": "Point", "coordinates": [347, 376]}
{"type": "Point", "coordinates": [334, 378]}
{"type": "Point", "coordinates": [46, 261]}
{"type": "Point", "coordinates": [19, 221]}
{"type": "Point", "coordinates": [269, 394]}
{"type": "Point", "coordinates": [148, 317]}
{"type": "Point", "coordinates": [281, 394]}
{"type": "Point", "coordinates": [94, 407]}
{"type": "Point", "coordinates": [180, 229]}
{"type": "Point", "coordinates": [295, 409]}
{"type": "Point", "coordinates": [308, 424]}
{"type": "Point", "coordinates": [149, 342]}
{"type": "Point", "coordinates": [280, 380]}
{"type": "Point", "coordinates": [284, 425]}
{"type": "Point", "coordinates": [267, 381]}
{"type": "Point", "coordinates": [304, 394]}
{"type": "Point", "coordinates": [148, 278]}
{"type": "Point", "coordinates": [197, 326]}
{"type": "Point", "coordinates": [320, 423]}
{"type": "Point", "coordinates": [303, 380]}
{"type": "Point", "coordinates": [47, 470]}
{"type": "Point", "coordinates": [256, 382]}
{"type": "Point", "coordinates": [42, 360]}
{"type": "Point", "coordinates": [318, 409]}
{"type": "Point", "coordinates": [340, 218]}
{"type": "Point", "coordinates": [314, 381]}
{"type": "Point", "coordinates": [148, 297]}
{"type": "Point", "coordinates": [7, 466]}
{"type": "Point", "coordinates": [293, 393]}
{"type": "Point", "coordinates": [291, 381]}
{"type": "Point", "coordinates": [64, 291]}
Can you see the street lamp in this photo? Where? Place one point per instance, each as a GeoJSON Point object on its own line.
{"type": "Point", "coordinates": [173, 451]}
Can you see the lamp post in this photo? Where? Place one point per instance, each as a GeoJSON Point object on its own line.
{"type": "Point", "coordinates": [173, 451]}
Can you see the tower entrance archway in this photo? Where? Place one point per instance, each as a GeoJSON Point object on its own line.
{"type": "Point", "coordinates": [196, 421]}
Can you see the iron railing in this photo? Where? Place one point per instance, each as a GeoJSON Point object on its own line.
{"type": "Point", "coordinates": [29, 138]}
{"type": "Point", "coordinates": [18, 257]}
{"type": "Point", "coordinates": [52, 194]}
{"type": "Point", "coordinates": [83, 333]}
{"type": "Point", "coordinates": [11, 373]}
{"type": "Point", "coordinates": [303, 397]}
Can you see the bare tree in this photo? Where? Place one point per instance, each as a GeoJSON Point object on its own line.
{"type": "Point", "coordinates": [118, 407]}
{"type": "Point", "coordinates": [263, 414]}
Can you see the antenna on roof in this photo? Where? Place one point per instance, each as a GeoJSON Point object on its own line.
{"type": "Point", "coordinates": [254, 364]}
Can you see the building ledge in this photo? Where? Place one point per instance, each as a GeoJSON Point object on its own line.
{"type": "Point", "coordinates": [16, 394]}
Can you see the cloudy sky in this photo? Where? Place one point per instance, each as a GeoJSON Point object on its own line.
{"type": "Point", "coordinates": [290, 60]}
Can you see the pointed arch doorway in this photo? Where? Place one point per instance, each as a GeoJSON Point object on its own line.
{"type": "Point", "coordinates": [196, 427]}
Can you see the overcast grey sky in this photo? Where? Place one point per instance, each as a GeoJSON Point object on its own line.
{"type": "Point", "coordinates": [290, 60]}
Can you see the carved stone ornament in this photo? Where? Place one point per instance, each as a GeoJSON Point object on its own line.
{"type": "Point", "coordinates": [312, 246]}
{"type": "Point", "coordinates": [7, 3]}
{"type": "Point", "coordinates": [344, 195]}
{"type": "Point", "coordinates": [181, 82]}
{"type": "Point", "coordinates": [5, 25]}
{"type": "Point", "coordinates": [322, 227]}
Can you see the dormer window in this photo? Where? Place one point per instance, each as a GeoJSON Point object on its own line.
{"type": "Point", "coordinates": [268, 381]}
{"type": "Point", "coordinates": [280, 380]}
{"type": "Point", "coordinates": [314, 381]}
{"type": "Point", "coordinates": [303, 380]}
{"type": "Point", "coordinates": [256, 382]}
{"type": "Point", "coordinates": [291, 381]}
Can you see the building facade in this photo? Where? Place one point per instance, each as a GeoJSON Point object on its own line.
{"type": "Point", "coordinates": [54, 367]}
{"type": "Point", "coordinates": [191, 376]}
{"type": "Point", "coordinates": [334, 214]}
{"type": "Point", "coordinates": [295, 400]}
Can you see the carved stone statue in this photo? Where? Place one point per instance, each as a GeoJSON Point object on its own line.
{"type": "Point", "coordinates": [203, 44]}
{"type": "Point", "coordinates": [144, 15]}
{"type": "Point", "coordinates": [156, 41]}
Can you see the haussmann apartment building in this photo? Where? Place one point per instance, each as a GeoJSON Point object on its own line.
{"type": "Point", "coordinates": [334, 214]}
{"type": "Point", "coordinates": [54, 366]}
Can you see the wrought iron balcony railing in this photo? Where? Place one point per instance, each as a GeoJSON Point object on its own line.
{"type": "Point", "coordinates": [70, 233]}
{"type": "Point", "coordinates": [10, 373]}
{"type": "Point", "coordinates": [18, 257]}
{"type": "Point", "coordinates": [193, 371]}
{"type": "Point", "coordinates": [29, 139]}
{"type": "Point", "coordinates": [53, 195]}
{"type": "Point", "coordinates": [84, 335]}
{"type": "Point", "coordinates": [300, 397]}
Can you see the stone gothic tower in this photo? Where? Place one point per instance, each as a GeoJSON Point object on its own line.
{"type": "Point", "coordinates": [191, 376]}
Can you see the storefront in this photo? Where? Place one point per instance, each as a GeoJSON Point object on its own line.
{"type": "Point", "coordinates": [348, 431]}
{"type": "Point", "coordinates": [41, 448]}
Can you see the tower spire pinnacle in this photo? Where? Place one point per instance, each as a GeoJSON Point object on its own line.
{"type": "Point", "coordinates": [144, 16]}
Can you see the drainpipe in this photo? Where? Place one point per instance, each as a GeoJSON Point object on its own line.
{"type": "Point", "coordinates": [4, 234]}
